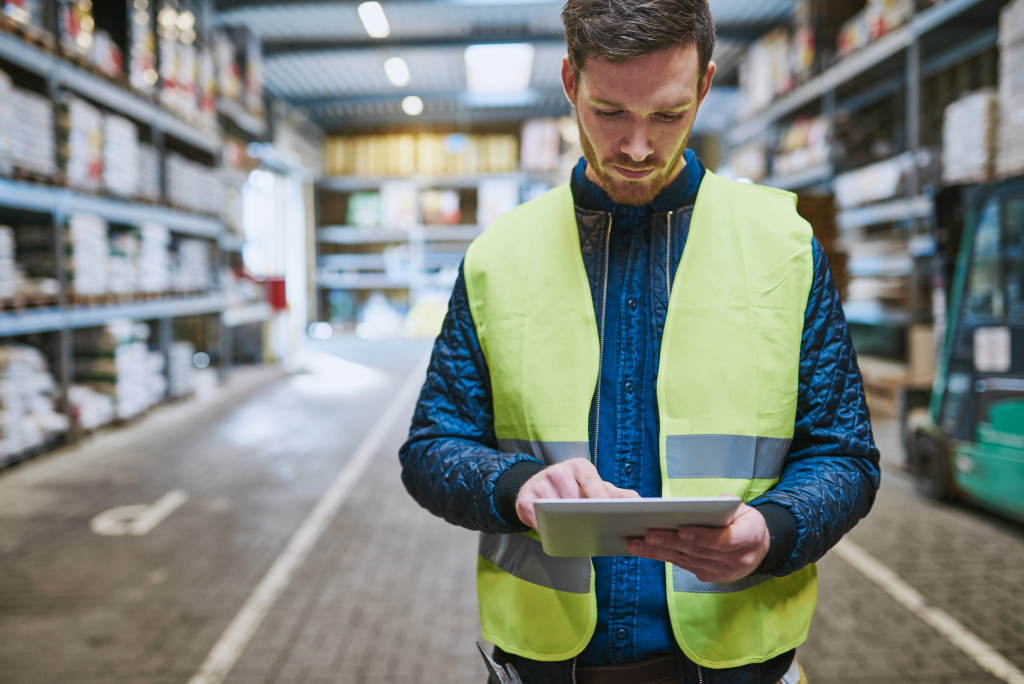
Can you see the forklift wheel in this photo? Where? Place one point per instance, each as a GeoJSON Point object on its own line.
{"type": "Point", "coordinates": [931, 467]}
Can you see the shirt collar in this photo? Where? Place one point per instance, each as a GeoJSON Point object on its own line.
{"type": "Point", "coordinates": [679, 193]}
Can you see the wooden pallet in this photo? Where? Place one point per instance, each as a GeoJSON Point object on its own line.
{"type": "Point", "coordinates": [19, 303]}
{"type": "Point", "coordinates": [28, 32]}
{"type": "Point", "coordinates": [19, 173]}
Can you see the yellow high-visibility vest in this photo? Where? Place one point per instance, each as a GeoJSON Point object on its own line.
{"type": "Point", "coordinates": [727, 396]}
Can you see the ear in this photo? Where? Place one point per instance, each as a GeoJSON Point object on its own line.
{"type": "Point", "coordinates": [705, 85]}
{"type": "Point", "coordinates": [568, 81]}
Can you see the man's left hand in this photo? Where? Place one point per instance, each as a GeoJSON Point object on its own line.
{"type": "Point", "coordinates": [713, 554]}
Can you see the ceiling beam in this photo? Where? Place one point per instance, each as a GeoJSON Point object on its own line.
{"type": "Point", "coordinates": [464, 98]}
{"type": "Point", "coordinates": [273, 48]}
{"type": "Point", "coordinates": [743, 33]}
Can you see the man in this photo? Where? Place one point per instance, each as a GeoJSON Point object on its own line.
{"type": "Point", "coordinates": [650, 329]}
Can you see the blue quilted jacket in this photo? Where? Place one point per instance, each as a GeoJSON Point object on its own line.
{"type": "Point", "coordinates": [451, 465]}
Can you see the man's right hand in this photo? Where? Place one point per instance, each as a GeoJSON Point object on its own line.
{"type": "Point", "coordinates": [576, 478]}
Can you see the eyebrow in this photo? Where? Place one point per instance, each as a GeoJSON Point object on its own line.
{"type": "Point", "coordinates": [686, 104]}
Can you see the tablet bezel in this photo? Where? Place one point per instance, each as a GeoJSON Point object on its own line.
{"type": "Point", "coordinates": [600, 527]}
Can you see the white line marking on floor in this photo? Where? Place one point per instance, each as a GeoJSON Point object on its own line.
{"type": "Point", "coordinates": [137, 519]}
{"type": "Point", "coordinates": [226, 652]}
{"type": "Point", "coordinates": [943, 623]}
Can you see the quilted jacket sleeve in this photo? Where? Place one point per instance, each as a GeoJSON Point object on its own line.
{"type": "Point", "coordinates": [449, 463]}
{"type": "Point", "coordinates": [831, 473]}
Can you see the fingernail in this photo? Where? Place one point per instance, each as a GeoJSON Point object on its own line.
{"type": "Point", "coordinates": [687, 535]}
{"type": "Point", "coordinates": [635, 546]}
{"type": "Point", "coordinates": [656, 538]}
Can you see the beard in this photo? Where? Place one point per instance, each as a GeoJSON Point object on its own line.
{"type": "Point", "coordinates": [625, 191]}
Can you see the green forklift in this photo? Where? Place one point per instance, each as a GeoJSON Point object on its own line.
{"type": "Point", "coordinates": [965, 438]}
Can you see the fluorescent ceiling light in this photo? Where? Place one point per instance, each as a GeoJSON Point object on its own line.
{"type": "Point", "coordinates": [374, 21]}
{"type": "Point", "coordinates": [412, 105]}
{"type": "Point", "coordinates": [397, 71]}
{"type": "Point", "coordinates": [499, 68]}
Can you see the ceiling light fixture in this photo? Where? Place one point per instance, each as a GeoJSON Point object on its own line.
{"type": "Point", "coordinates": [374, 21]}
{"type": "Point", "coordinates": [499, 68]}
{"type": "Point", "coordinates": [397, 71]}
{"type": "Point", "coordinates": [412, 105]}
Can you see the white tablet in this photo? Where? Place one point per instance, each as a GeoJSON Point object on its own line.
{"type": "Point", "coordinates": [600, 527]}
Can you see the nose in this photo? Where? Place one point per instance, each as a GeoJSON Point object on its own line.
{"type": "Point", "coordinates": [637, 143]}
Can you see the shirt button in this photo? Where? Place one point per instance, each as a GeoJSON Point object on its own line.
{"type": "Point", "coordinates": [632, 303]}
{"type": "Point", "coordinates": [621, 633]}
{"type": "Point", "coordinates": [629, 387]}
{"type": "Point", "coordinates": [628, 468]}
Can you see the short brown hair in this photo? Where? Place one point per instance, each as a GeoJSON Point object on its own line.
{"type": "Point", "coordinates": [620, 30]}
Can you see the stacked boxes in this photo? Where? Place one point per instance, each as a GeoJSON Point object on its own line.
{"type": "Point", "coordinates": [969, 132]}
{"type": "Point", "coordinates": [1010, 159]}
{"type": "Point", "coordinates": [8, 264]}
{"type": "Point", "coordinates": [120, 156]}
{"type": "Point", "coordinates": [28, 419]}
{"type": "Point", "coordinates": [33, 148]}
{"type": "Point", "coordinates": [181, 369]}
{"type": "Point", "coordinates": [154, 275]}
{"type": "Point", "coordinates": [6, 123]}
{"type": "Point", "coordinates": [766, 71]}
{"type": "Point", "coordinates": [90, 408]}
{"type": "Point", "coordinates": [193, 186]}
{"type": "Point", "coordinates": [192, 270]}
{"type": "Point", "coordinates": [83, 154]}
{"type": "Point", "coordinates": [116, 361]}
{"type": "Point", "coordinates": [428, 154]}
{"type": "Point", "coordinates": [89, 253]}
{"type": "Point", "coordinates": [147, 187]}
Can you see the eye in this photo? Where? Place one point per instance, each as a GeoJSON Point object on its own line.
{"type": "Point", "coordinates": [668, 117]}
{"type": "Point", "coordinates": [608, 113]}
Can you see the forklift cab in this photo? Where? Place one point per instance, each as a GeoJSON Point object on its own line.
{"type": "Point", "coordinates": [972, 443]}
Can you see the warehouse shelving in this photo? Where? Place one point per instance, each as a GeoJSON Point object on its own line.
{"type": "Point", "coordinates": [881, 85]}
{"type": "Point", "coordinates": [208, 316]}
{"type": "Point", "coordinates": [403, 261]}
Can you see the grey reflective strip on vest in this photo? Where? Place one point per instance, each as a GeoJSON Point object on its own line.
{"type": "Point", "coordinates": [523, 557]}
{"type": "Point", "coordinates": [683, 580]}
{"type": "Point", "coordinates": [549, 452]}
{"type": "Point", "coordinates": [726, 456]}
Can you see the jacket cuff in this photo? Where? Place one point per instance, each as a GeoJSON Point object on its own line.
{"type": "Point", "coordinates": [782, 529]}
{"type": "Point", "coordinates": [507, 486]}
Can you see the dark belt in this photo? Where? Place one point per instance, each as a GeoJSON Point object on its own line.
{"type": "Point", "coordinates": [652, 671]}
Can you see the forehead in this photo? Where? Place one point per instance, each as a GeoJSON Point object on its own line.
{"type": "Point", "coordinates": [665, 78]}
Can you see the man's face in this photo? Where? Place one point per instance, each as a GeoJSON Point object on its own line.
{"type": "Point", "coordinates": [635, 119]}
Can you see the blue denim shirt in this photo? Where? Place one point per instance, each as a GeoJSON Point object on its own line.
{"type": "Point", "coordinates": [632, 618]}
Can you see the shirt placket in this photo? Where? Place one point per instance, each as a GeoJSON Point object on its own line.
{"type": "Point", "coordinates": [631, 358]}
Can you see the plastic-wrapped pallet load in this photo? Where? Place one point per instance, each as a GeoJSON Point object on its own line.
{"type": "Point", "coordinates": [192, 272]}
{"type": "Point", "coordinates": [90, 408]}
{"type": "Point", "coordinates": [1010, 158]}
{"type": "Point", "coordinates": [193, 186]}
{"type": "Point", "coordinates": [83, 155]}
{"type": "Point", "coordinates": [969, 138]}
{"type": "Point", "coordinates": [89, 253]}
{"type": "Point", "coordinates": [8, 264]}
{"type": "Point", "coordinates": [6, 123]}
{"type": "Point", "coordinates": [123, 265]}
{"type": "Point", "coordinates": [154, 275]}
{"type": "Point", "coordinates": [120, 156]}
{"type": "Point", "coordinates": [28, 419]}
{"type": "Point", "coordinates": [181, 369]}
{"type": "Point", "coordinates": [116, 361]}
{"type": "Point", "coordinates": [33, 147]}
{"type": "Point", "coordinates": [148, 182]}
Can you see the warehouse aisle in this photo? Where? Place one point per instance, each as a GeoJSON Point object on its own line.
{"type": "Point", "coordinates": [224, 486]}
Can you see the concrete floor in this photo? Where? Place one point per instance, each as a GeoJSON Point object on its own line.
{"type": "Point", "coordinates": [269, 540]}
